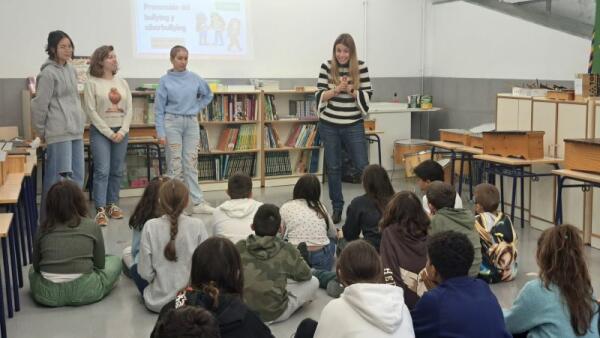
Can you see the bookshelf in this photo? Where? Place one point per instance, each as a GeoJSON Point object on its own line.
{"type": "Point", "coordinates": [216, 162]}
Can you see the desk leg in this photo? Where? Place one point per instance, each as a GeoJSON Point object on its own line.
{"type": "Point", "coordinates": [15, 265]}
{"type": "Point", "coordinates": [452, 160]}
{"type": "Point", "coordinates": [501, 193]}
{"type": "Point", "coordinates": [513, 199]}
{"type": "Point", "coordinates": [5, 257]}
{"type": "Point", "coordinates": [378, 147]}
{"type": "Point", "coordinates": [460, 177]}
{"type": "Point", "coordinates": [522, 198]}
{"type": "Point", "coordinates": [432, 152]}
{"type": "Point", "coordinates": [24, 206]}
{"type": "Point", "coordinates": [22, 226]}
{"type": "Point", "coordinates": [471, 176]}
{"type": "Point", "coordinates": [558, 217]}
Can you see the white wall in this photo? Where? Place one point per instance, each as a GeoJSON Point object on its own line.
{"type": "Point", "coordinates": [470, 41]}
{"type": "Point", "coordinates": [291, 38]}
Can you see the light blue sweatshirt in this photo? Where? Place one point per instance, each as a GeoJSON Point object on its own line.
{"type": "Point", "coordinates": [180, 93]}
{"type": "Point", "coordinates": [543, 313]}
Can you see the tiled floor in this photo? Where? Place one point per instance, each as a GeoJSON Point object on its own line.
{"type": "Point", "coordinates": [122, 313]}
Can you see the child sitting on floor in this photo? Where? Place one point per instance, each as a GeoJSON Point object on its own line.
{"type": "Point", "coordinates": [497, 236]}
{"type": "Point", "coordinates": [459, 306]}
{"type": "Point", "coordinates": [166, 248]}
{"type": "Point", "coordinates": [445, 217]}
{"type": "Point", "coordinates": [232, 218]}
{"type": "Point", "coordinates": [70, 267]}
{"type": "Point", "coordinates": [146, 209]}
{"type": "Point", "coordinates": [268, 263]}
{"type": "Point", "coordinates": [427, 172]}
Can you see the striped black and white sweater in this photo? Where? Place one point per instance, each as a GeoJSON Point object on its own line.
{"type": "Point", "coordinates": [343, 109]}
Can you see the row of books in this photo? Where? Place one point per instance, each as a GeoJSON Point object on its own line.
{"type": "Point", "coordinates": [308, 162]}
{"type": "Point", "coordinates": [220, 167]}
{"type": "Point", "coordinates": [303, 136]}
{"type": "Point", "coordinates": [238, 138]}
{"type": "Point", "coordinates": [277, 164]}
{"type": "Point", "coordinates": [304, 109]}
{"type": "Point", "coordinates": [231, 107]}
{"type": "Point", "coordinates": [270, 109]}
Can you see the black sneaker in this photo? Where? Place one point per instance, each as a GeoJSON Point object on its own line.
{"type": "Point", "coordinates": [337, 216]}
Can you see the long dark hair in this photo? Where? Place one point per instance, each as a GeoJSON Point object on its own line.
{"type": "Point", "coordinates": [217, 268]}
{"type": "Point", "coordinates": [148, 206]}
{"type": "Point", "coordinates": [377, 185]}
{"type": "Point", "coordinates": [173, 199]}
{"type": "Point", "coordinates": [561, 261]}
{"type": "Point", "coordinates": [406, 213]}
{"type": "Point", "coordinates": [65, 204]}
{"type": "Point", "coordinates": [308, 188]}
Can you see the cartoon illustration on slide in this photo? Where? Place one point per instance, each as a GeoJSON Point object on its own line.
{"type": "Point", "coordinates": [233, 31]}
{"type": "Point", "coordinates": [202, 28]}
{"type": "Point", "coordinates": [218, 25]}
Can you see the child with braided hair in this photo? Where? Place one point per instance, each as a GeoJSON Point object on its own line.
{"type": "Point", "coordinates": [165, 256]}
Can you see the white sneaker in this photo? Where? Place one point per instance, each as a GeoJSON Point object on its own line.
{"type": "Point", "coordinates": [203, 208]}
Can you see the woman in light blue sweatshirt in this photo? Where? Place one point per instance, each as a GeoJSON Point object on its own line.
{"type": "Point", "coordinates": [560, 302]}
{"type": "Point", "coordinates": [57, 115]}
{"type": "Point", "coordinates": [181, 95]}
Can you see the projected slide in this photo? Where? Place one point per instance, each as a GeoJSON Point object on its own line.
{"type": "Point", "coordinates": [207, 28]}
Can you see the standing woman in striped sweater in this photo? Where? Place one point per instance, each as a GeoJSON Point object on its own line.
{"type": "Point", "coordinates": [344, 91]}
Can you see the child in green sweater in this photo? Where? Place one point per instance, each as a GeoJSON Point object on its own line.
{"type": "Point", "coordinates": [69, 263]}
{"type": "Point", "coordinates": [441, 198]}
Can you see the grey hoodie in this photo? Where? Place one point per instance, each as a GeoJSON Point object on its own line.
{"type": "Point", "coordinates": [56, 109]}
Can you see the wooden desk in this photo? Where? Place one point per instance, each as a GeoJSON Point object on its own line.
{"type": "Point", "coordinates": [589, 180]}
{"type": "Point", "coordinates": [5, 220]}
{"type": "Point", "coordinates": [514, 168]}
{"type": "Point", "coordinates": [471, 150]}
{"type": "Point", "coordinates": [10, 191]}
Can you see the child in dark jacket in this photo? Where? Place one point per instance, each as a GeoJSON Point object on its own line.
{"type": "Point", "coordinates": [186, 321]}
{"type": "Point", "coordinates": [217, 283]}
{"type": "Point", "coordinates": [497, 236]}
{"type": "Point", "coordinates": [268, 263]}
{"type": "Point", "coordinates": [460, 306]}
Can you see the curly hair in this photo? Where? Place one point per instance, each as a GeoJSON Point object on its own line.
{"type": "Point", "coordinates": [561, 261]}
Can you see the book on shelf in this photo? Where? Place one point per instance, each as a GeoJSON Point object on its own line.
{"type": "Point", "coordinates": [231, 107]}
{"type": "Point", "coordinates": [305, 109]}
{"type": "Point", "coordinates": [204, 146]}
{"type": "Point", "coordinates": [241, 137]}
{"type": "Point", "coordinates": [272, 139]}
{"type": "Point", "coordinates": [302, 136]}
{"type": "Point", "coordinates": [308, 162]}
{"type": "Point", "coordinates": [270, 110]}
{"type": "Point", "coordinates": [221, 167]}
{"type": "Point", "coordinates": [277, 164]}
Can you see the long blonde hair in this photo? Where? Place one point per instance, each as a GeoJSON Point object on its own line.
{"type": "Point", "coordinates": [346, 40]}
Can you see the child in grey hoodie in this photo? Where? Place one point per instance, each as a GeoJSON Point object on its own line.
{"type": "Point", "coordinates": [57, 115]}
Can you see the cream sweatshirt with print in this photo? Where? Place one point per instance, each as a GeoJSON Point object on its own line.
{"type": "Point", "coordinates": [108, 104]}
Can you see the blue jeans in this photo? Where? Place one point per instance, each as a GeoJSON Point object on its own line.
{"type": "Point", "coordinates": [183, 141]}
{"type": "Point", "coordinates": [322, 259]}
{"type": "Point", "coordinates": [64, 160]}
{"type": "Point", "coordinates": [109, 158]}
{"type": "Point", "coordinates": [332, 137]}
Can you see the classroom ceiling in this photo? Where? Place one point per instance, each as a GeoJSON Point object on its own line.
{"type": "Point", "coordinates": [571, 16]}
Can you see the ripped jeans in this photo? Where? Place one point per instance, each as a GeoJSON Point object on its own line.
{"type": "Point", "coordinates": [183, 140]}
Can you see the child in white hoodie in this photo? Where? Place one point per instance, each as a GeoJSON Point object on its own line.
{"type": "Point", "coordinates": [368, 308]}
{"type": "Point", "coordinates": [233, 218]}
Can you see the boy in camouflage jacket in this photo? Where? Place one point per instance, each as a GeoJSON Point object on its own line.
{"type": "Point", "coordinates": [268, 263]}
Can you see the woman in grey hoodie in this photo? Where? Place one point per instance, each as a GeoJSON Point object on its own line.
{"type": "Point", "coordinates": [57, 115]}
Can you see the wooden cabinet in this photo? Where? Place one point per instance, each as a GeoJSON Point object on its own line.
{"type": "Point", "coordinates": [558, 120]}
